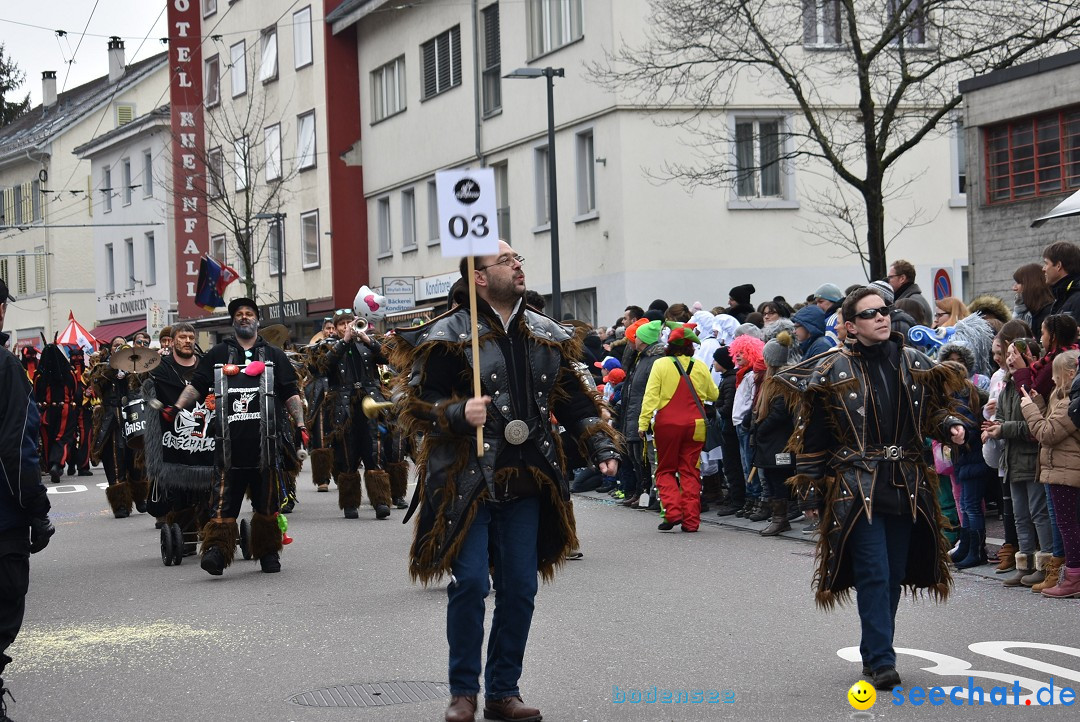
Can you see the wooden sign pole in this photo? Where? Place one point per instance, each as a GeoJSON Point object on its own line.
{"type": "Point", "coordinates": [477, 392]}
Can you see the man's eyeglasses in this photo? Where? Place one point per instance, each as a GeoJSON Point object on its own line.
{"type": "Point", "coordinates": [508, 261]}
{"type": "Point", "coordinates": [869, 313]}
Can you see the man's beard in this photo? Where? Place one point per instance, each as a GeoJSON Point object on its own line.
{"type": "Point", "coordinates": [246, 330]}
{"type": "Point", "coordinates": [183, 353]}
{"type": "Point", "coordinates": [504, 293]}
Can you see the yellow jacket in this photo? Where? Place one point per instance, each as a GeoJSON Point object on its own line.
{"type": "Point", "coordinates": [664, 379]}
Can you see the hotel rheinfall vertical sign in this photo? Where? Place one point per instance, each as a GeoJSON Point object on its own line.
{"type": "Point", "coordinates": [189, 164]}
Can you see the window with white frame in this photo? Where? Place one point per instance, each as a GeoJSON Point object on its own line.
{"type": "Point", "coordinates": [911, 15]}
{"type": "Point", "coordinates": [212, 78]}
{"type": "Point", "coordinates": [151, 260]}
{"type": "Point", "coordinates": [274, 249]}
{"type": "Point", "coordinates": [268, 61]}
{"type": "Point", "coordinates": [309, 239]}
{"type": "Point", "coordinates": [434, 235]}
{"type": "Point", "coordinates": [209, 7]}
{"type": "Point", "coordinates": [822, 23]}
{"type": "Point", "coordinates": [388, 89]}
{"type": "Point", "coordinates": [218, 249]}
{"type": "Point", "coordinates": [238, 68]}
{"type": "Point", "coordinates": [382, 206]}
{"type": "Point", "coordinates": [959, 178]}
{"type": "Point", "coordinates": [272, 148]}
{"type": "Point", "coordinates": [408, 219]}
{"type": "Point", "coordinates": [586, 173]}
{"type": "Point", "coordinates": [129, 266]}
{"type": "Point", "coordinates": [302, 38]}
{"type": "Point", "coordinates": [553, 24]}
{"type": "Point", "coordinates": [148, 174]}
{"type": "Point", "coordinates": [492, 58]}
{"type": "Point", "coordinates": [125, 175]}
{"type": "Point", "coordinates": [106, 189]}
{"type": "Point", "coordinates": [305, 140]}
{"type": "Point", "coordinates": [441, 58]}
{"type": "Point", "coordinates": [240, 163]}
{"type": "Point", "coordinates": [502, 198]}
{"type": "Point", "coordinates": [215, 173]}
{"type": "Point", "coordinates": [110, 269]}
{"type": "Point", "coordinates": [759, 149]}
{"type": "Point", "coordinates": [39, 269]}
{"type": "Point", "coordinates": [540, 174]}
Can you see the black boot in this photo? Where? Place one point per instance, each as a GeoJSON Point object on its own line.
{"type": "Point", "coordinates": [213, 562]}
{"type": "Point", "coordinates": [962, 550]}
{"type": "Point", "coordinates": [747, 508]}
{"type": "Point", "coordinates": [270, 563]}
{"type": "Point", "coordinates": [761, 512]}
{"type": "Point", "coordinates": [779, 522]}
{"type": "Point", "coordinates": [55, 472]}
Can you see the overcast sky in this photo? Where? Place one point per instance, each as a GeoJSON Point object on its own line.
{"type": "Point", "coordinates": [36, 50]}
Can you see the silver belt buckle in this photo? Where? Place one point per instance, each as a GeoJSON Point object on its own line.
{"type": "Point", "coordinates": [516, 432]}
{"type": "Point", "coordinates": [893, 453]}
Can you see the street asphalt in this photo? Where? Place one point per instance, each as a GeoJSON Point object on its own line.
{"type": "Point", "coordinates": [113, 634]}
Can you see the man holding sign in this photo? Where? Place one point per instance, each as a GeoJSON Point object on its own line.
{"type": "Point", "coordinates": [510, 497]}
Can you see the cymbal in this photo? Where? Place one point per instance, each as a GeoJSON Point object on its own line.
{"type": "Point", "coordinates": [275, 335]}
{"type": "Point", "coordinates": [135, 359]}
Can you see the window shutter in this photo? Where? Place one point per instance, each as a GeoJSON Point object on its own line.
{"type": "Point", "coordinates": [455, 50]}
{"type": "Point", "coordinates": [431, 84]}
{"type": "Point", "coordinates": [442, 60]}
{"type": "Point", "coordinates": [125, 113]}
{"type": "Point", "coordinates": [492, 55]}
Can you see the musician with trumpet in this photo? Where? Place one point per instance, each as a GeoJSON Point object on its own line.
{"type": "Point", "coordinates": [350, 408]}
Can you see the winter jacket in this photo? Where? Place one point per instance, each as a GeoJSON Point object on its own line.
{"type": "Point", "coordinates": [1021, 450]}
{"type": "Point", "coordinates": [22, 495]}
{"type": "Point", "coordinates": [902, 321]}
{"type": "Point", "coordinates": [1066, 298]}
{"type": "Point", "coordinates": [813, 320]}
{"type": "Point", "coordinates": [913, 292]}
{"type": "Point", "coordinates": [968, 462]}
{"type": "Point", "coordinates": [770, 435]}
{"type": "Point", "coordinates": [637, 378]}
{"type": "Point", "coordinates": [725, 402]}
{"type": "Point", "coordinates": [1059, 440]}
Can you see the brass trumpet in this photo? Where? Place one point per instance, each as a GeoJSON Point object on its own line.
{"type": "Point", "coordinates": [373, 408]}
{"type": "Point", "coordinates": [360, 325]}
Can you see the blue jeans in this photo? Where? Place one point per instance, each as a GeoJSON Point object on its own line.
{"type": "Point", "coordinates": [753, 488]}
{"type": "Point", "coordinates": [1059, 543]}
{"type": "Point", "coordinates": [879, 554]}
{"type": "Point", "coordinates": [512, 528]}
{"type": "Point", "coordinates": [971, 502]}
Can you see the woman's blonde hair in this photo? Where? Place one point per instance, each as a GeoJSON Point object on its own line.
{"type": "Point", "coordinates": [1064, 369]}
{"type": "Point", "coordinates": [955, 308]}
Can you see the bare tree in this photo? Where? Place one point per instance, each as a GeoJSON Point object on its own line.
{"type": "Point", "coordinates": [869, 82]}
{"type": "Point", "coordinates": [248, 174]}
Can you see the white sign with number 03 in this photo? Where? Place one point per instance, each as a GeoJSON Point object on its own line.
{"type": "Point", "coordinates": [468, 217]}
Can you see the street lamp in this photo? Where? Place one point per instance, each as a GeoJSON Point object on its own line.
{"type": "Point", "coordinates": [553, 201]}
{"type": "Point", "coordinates": [278, 218]}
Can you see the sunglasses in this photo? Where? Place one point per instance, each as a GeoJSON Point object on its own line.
{"type": "Point", "coordinates": [508, 261]}
{"type": "Point", "coordinates": [342, 312]}
{"type": "Point", "coordinates": [869, 313]}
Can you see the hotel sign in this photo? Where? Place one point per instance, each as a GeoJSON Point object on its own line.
{"type": "Point", "coordinates": [189, 159]}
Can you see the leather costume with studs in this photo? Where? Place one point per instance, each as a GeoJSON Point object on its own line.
{"type": "Point", "coordinates": [528, 371]}
{"type": "Point", "coordinates": [865, 453]}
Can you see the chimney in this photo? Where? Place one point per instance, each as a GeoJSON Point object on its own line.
{"type": "Point", "coordinates": [48, 89]}
{"type": "Point", "coordinates": [116, 59]}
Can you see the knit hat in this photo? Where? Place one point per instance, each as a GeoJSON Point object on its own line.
{"type": "Point", "coordinates": [780, 350]}
{"type": "Point", "coordinates": [595, 345]}
{"type": "Point", "coordinates": [722, 356]}
{"type": "Point", "coordinates": [631, 331]}
{"type": "Point", "coordinates": [884, 290]}
{"type": "Point", "coordinates": [682, 335]}
{"type": "Point", "coordinates": [772, 330]}
{"type": "Point", "coordinates": [830, 292]}
{"type": "Point", "coordinates": [741, 294]}
{"type": "Point", "coordinates": [649, 333]}
{"type": "Point", "coordinates": [811, 318]}
{"type": "Point", "coordinates": [749, 329]}
{"type": "Point", "coordinates": [609, 363]}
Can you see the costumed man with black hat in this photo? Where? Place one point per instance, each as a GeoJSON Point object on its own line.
{"type": "Point", "coordinates": [254, 384]}
{"type": "Point", "coordinates": [507, 510]}
{"type": "Point", "coordinates": [350, 365]}
{"type": "Point", "coordinates": [54, 389]}
{"type": "Point", "coordinates": [320, 408]}
{"type": "Point", "coordinates": [122, 462]}
{"type": "Point", "coordinates": [79, 450]}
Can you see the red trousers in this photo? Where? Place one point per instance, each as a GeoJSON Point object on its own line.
{"type": "Point", "coordinates": [677, 455]}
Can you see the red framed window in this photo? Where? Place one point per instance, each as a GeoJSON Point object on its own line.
{"type": "Point", "coordinates": [1034, 156]}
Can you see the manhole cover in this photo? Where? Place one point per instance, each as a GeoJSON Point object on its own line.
{"type": "Point", "coordinates": [373, 694]}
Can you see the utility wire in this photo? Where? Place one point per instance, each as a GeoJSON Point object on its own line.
{"type": "Point", "coordinates": [79, 45]}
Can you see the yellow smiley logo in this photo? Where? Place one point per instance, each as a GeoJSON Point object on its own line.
{"type": "Point", "coordinates": [862, 695]}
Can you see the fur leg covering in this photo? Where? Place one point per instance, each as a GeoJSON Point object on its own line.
{"type": "Point", "coordinates": [265, 535]}
{"type": "Point", "coordinates": [223, 535]}
{"type": "Point", "coordinates": [322, 465]}
{"type": "Point", "coordinates": [377, 482]}
{"type": "Point", "coordinates": [350, 490]}
{"type": "Point", "coordinates": [399, 478]}
{"type": "Point", "coordinates": [119, 496]}
{"type": "Point", "coordinates": [140, 489]}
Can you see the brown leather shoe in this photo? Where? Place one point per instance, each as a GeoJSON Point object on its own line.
{"type": "Point", "coordinates": [512, 709]}
{"type": "Point", "coordinates": [462, 708]}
